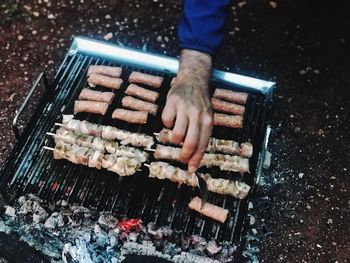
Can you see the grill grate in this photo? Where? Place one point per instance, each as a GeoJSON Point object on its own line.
{"type": "Point", "coordinates": [31, 169]}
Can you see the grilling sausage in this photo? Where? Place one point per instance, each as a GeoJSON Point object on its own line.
{"type": "Point", "coordinates": [140, 105]}
{"type": "Point", "coordinates": [96, 107]}
{"type": "Point", "coordinates": [104, 81]}
{"type": "Point", "coordinates": [94, 95]}
{"type": "Point", "coordinates": [130, 116]}
{"type": "Point", "coordinates": [150, 80]}
{"type": "Point", "coordinates": [105, 70]}
{"type": "Point", "coordinates": [228, 107]}
{"type": "Point", "coordinates": [215, 212]}
{"type": "Point", "coordinates": [231, 121]}
{"type": "Point", "coordinates": [142, 93]}
{"type": "Point", "coordinates": [231, 96]}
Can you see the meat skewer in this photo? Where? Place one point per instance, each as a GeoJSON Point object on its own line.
{"type": "Point", "coordinates": [142, 93]}
{"type": "Point", "coordinates": [209, 210]}
{"type": "Point", "coordinates": [150, 80]}
{"type": "Point", "coordinates": [106, 132]}
{"type": "Point", "coordinates": [131, 116]}
{"type": "Point", "coordinates": [94, 95]}
{"type": "Point", "coordinates": [231, 96]}
{"type": "Point", "coordinates": [225, 162]}
{"type": "Point", "coordinates": [104, 81]}
{"type": "Point", "coordinates": [228, 107]}
{"type": "Point", "coordinates": [96, 107]}
{"type": "Point", "coordinates": [163, 170]}
{"type": "Point", "coordinates": [98, 144]}
{"type": "Point", "coordinates": [231, 121]}
{"type": "Point", "coordinates": [105, 70]}
{"type": "Point", "coordinates": [215, 145]}
{"type": "Point", "coordinates": [139, 105]}
{"type": "Point", "coordinates": [122, 165]}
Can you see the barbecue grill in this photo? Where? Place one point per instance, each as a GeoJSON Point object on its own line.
{"type": "Point", "coordinates": [30, 169]}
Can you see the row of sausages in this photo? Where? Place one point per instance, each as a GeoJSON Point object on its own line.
{"type": "Point", "coordinates": [228, 105]}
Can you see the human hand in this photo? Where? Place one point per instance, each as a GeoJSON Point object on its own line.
{"type": "Point", "coordinates": [188, 109]}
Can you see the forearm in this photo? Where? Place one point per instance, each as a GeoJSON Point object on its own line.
{"type": "Point", "coordinates": [196, 65]}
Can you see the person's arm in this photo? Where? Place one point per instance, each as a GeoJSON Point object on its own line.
{"type": "Point", "coordinates": [188, 109]}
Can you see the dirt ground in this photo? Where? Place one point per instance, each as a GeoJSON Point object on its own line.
{"type": "Point", "coordinates": [302, 209]}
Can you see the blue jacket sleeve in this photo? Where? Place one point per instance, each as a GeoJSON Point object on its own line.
{"type": "Point", "coordinates": [202, 23]}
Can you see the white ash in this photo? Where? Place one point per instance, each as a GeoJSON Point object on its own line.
{"type": "Point", "coordinates": [10, 211]}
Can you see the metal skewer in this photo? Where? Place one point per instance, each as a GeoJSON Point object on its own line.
{"type": "Point", "coordinates": [147, 165]}
{"type": "Point", "coordinates": [156, 133]}
{"type": "Point", "coordinates": [51, 134]}
{"type": "Point", "coordinates": [150, 150]}
{"type": "Point", "coordinates": [49, 148]}
{"type": "Point", "coordinates": [58, 124]}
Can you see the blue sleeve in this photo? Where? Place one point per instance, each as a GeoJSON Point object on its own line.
{"type": "Point", "coordinates": [202, 23]}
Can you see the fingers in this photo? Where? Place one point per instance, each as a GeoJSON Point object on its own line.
{"type": "Point", "coordinates": [180, 127]}
{"type": "Point", "coordinates": [192, 138]}
{"type": "Point", "coordinates": [205, 132]}
{"type": "Point", "coordinates": [169, 113]}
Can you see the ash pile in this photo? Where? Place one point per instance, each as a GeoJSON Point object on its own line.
{"type": "Point", "coordinates": [73, 233]}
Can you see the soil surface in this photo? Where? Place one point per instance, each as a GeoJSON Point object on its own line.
{"type": "Point", "coordinates": [301, 211]}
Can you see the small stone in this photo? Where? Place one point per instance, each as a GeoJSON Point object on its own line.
{"type": "Point", "coordinates": [36, 14]}
{"type": "Point", "coordinates": [20, 37]}
{"type": "Point", "coordinates": [34, 32]}
{"type": "Point", "coordinates": [108, 17]}
{"type": "Point", "coordinates": [159, 38]}
{"type": "Point", "coordinates": [46, 37]}
{"type": "Point", "coordinates": [334, 243]}
{"type": "Point", "coordinates": [108, 36]}
{"type": "Point", "coordinates": [329, 221]}
{"type": "Point", "coordinates": [250, 205]}
{"type": "Point", "coordinates": [254, 231]}
{"type": "Point", "coordinates": [301, 175]}
{"type": "Point", "coordinates": [51, 16]}
{"type": "Point", "coordinates": [318, 245]}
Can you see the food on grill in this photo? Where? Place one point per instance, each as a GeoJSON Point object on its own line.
{"type": "Point", "coordinates": [230, 95]}
{"type": "Point", "coordinates": [150, 80]}
{"type": "Point", "coordinates": [98, 144]}
{"type": "Point", "coordinates": [228, 107]}
{"type": "Point", "coordinates": [94, 95]}
{"type": "Point", "coordinates": [96, 107]}
{"type": "Point", "coordinates": [215, 145]}
{"type": "Point", "coordinates": [131, 116]}
{"type": "Point", "coordinates": [231, 121]}
{"type": "Point", "coordinates": [105, 70]}
{"type": "Point", "coordinates": [163, 170]}
{"type": "Point", "coordinates": [142, 93]}
{"type": "Point", "coordinates": [139, 105]}
{"type": "Point", "coordinates": [121, 165]}
{"type": "Point", "coordinates": [104, 81]}
{"type": "Point", "coordinates": [225, 162]}
{"type": "Point", "coordinates": [209, 210]}
{"type": "Point", "coordinates": [107, 132]}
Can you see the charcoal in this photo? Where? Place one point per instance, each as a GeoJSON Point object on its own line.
{"type": "Point", "coordinates": [154, 230]}
{"type": "Point", "coordinates": [10, 211]}
{"type": "Point", "coordinates": [213, 248]}
{"type": "Point", "coordinates": [107, 220]}
{"type": "Point", "coordinates": [55, 220]}
{"type": "Point", "coordinates": [39, 215]}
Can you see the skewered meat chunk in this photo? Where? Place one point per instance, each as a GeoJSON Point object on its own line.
{"type": "Point", "coordinates": [139, 105]}
{"type": "Point", "coordinates": [231, 121]}
{"type": "Point", "coordinates": [104, 81]}
{"type": "Point", "coordinates": [138, 117]}
{"type": "Point", "coordinates": [81, 155]}
{"type": "Point", "coordinates": [107, 132]}
{"type": "Point", "coordinates": [246, 149]}
{"type": "Point", "coordinates": [142, 93]}
{"type": "Point", "coordinates": [94, 95]}
{"type": "Point", "coordinates": [215, 145]}
{"type": "Point", "coordinates": [150, 80]}
{"type": "Point", "coordinates": [90, 106]}
{"type": "Point", "coordinates": [99, 144]}
{"type": "Point", "coordinates": [163, 170]}
{"type": "Point", "coordinates": [105, 70]}
{"type": "Point", "coordinates": [225, 162]}
{"type": "Point", "coordinates": [231, 96]}
{"type": "Point", "coordinates": [209, 210]}
{"type": "Point", "coordinates": [228, 107]}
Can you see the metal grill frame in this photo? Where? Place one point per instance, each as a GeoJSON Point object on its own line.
{"type": "Point", "coordinates": [63, 80]}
